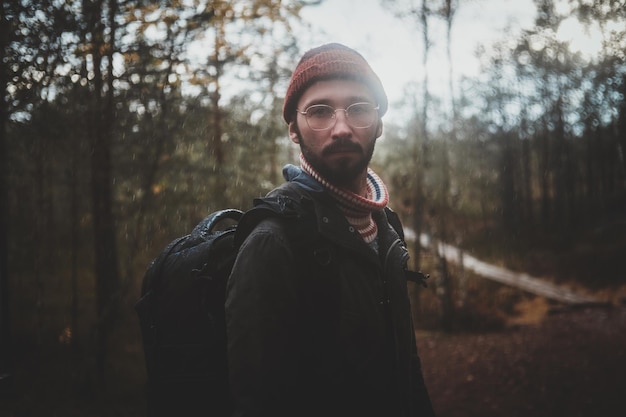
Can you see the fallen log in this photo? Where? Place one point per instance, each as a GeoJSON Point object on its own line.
{"type": "Point", "coordinates": [505, 276]}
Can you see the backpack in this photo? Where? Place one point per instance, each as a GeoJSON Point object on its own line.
{"type": "Point", "coordinates": [181, 313]}
{"type": "Point", "coordinates": [181, 309]}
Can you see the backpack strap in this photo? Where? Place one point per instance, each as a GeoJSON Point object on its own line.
{"type": "Point", "coordinates": [417, 277]}
{"type": "Point", "coordinates": [210, 222]}
{"type": "Point", "coordinates": [286, 201]}
{"type": "Point", "coordinates": [395, 222]}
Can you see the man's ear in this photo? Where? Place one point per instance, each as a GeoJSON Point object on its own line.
{"type": "Point", "coordinates": [293, 133]}
{"type": "Point", "coordinates": [379, 128]}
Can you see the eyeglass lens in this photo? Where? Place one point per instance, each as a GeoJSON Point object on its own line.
{"type": "Point", "coordinates": [358, 115]}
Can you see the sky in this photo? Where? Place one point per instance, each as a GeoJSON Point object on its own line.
{"type": "Point", "coordinates": [393, 46]}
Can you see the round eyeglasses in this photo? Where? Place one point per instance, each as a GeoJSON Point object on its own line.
{"type": "Point", "coordinates": [324, 117]}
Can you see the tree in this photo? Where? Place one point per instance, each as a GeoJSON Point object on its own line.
{"type": "Point", "coordinates": [422, 15]}
{"type": "Point", "coordinates": [6, 371]}
{"type": "Point", "coordinates": [32, 49]}
{"type": "Point", "coordinates": [101, 37]}
{"type": "Point", "coordinates": [447, 12]}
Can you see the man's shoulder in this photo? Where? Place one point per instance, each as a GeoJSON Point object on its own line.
{"type": "Point", "coordinates": [287, 210]}
{"type": "Point", "coordinates": [289, 189]}
{"type": "Point", "coordinates": [292, 199]}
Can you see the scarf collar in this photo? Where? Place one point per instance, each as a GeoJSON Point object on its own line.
{"type": "Point", "coordinates": [356, 208]}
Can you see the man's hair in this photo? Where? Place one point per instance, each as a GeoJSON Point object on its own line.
{"type": "Point", "coordinates": [331, 61]}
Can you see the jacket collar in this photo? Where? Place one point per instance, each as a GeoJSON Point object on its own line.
{"type": "Point", "coordinates": [331, 222]}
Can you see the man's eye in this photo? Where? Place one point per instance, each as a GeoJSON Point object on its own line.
{"type": "Point", "coordinates": [359, 109]}
{"type": "Point", "coordinates": [320, 111]}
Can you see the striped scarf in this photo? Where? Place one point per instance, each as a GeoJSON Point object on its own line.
{"type": "Point", "coordinates": [357, 209]}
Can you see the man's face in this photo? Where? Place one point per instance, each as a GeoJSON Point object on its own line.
{"type": "Point", "coordinates": [342, 153]}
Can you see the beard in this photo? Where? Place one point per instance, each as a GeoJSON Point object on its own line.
{"type": "Point", "coordinates": [342, 171]}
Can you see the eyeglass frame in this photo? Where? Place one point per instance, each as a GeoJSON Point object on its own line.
{"type": "Point", "coordinates": [334, 117]}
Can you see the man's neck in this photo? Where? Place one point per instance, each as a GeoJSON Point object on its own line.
{"type": "Point", "coordinates": [358, 185]}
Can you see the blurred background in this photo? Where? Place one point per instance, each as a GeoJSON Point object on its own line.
{"type": "Point", "coordinates": [123, 123]}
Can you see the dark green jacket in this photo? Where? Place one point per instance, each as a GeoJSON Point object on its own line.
{"type": "Point", "coordinates": [318, 323]}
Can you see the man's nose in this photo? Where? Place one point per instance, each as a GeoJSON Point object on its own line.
{"type": "Point", "coordinates": [341, 126]}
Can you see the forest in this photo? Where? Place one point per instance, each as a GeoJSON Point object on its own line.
{"type": "Point", "coordinates": [119, 132]}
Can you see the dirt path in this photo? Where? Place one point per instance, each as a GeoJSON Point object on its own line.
{"type": "Point", "coordinates": [572, 364]}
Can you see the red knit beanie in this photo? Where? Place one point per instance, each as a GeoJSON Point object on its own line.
{"type": "Point", "coordinates": [326, 62]}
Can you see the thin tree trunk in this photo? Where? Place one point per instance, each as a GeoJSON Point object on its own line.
{"type": "Point", "coordinates": [529, 215]}
{"type": "Point", "coordinates": [560, 164]}
{"type": "Point", "coordinates": [75, 246]}
{"type": "Point", "coordinates": [420, 164]}
{"type": "Point", "coordinates": [544, 176]}
{"type": "Point", "coordinates": [620, 134]}
{"type": "Point", "coordinates": [6, 354]}
{"type": "Point", "coordinates": [39, 247]}
{"type": "Point", "coordinates": [106, 262]}
{"type": "Point", "coordinates": [445, 284]}
{"type": "Point", "coordinates": [451, 7]}
{"type": "Point", "coordinates": [216, 145]}
{"type": "Point", "coordinates": [508, 186]}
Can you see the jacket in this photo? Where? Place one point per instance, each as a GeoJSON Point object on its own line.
{"type": "Point", "coordinates": [318, 323]}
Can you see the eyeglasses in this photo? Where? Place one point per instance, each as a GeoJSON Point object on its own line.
{"type": "Point", "coordinates": [324, 117]}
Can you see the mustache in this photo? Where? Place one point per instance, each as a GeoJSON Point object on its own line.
{"type": "Point", "coordinates": [342, 146]}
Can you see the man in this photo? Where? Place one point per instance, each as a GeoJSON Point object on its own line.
{"type": "Point", "coordinates": [317, 311]}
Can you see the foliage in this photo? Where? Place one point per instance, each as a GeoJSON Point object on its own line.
{"type": "Point", "coordinates": [123, 102]}
{"type": "Point", "coordinates": [539, 136]}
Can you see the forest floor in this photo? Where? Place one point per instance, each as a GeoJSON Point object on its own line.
{"type": "Point", "coordinates": [512, 354]}
{"type": "Point", "coordinates": [569, 363]}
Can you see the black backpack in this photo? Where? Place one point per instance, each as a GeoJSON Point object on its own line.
{"type": "Point", "coordinates": [181, 309]}
{"type": "Point", "coordinates": [181, 313]}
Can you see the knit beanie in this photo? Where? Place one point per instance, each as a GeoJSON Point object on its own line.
{"type": "Point", "coordinates": [331, 61]}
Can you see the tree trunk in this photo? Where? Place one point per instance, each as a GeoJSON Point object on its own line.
{"type": "Point", "coordinates": [106, 261]}
{"type": "Point", "coordinates": [508, 188]}
{"type": "Point", "coordinates": [621, 134]}
{"type": "Point", "coordinates": [445, 290]}
{"type": "Point", "coordinates": [74, 244]}
{"type": "Point", "coordinates": [560, 163]}
{"type": "Point", "coordinates": [420, 164]}
{"type": "Point", "coordinates": [450, 10]}
{"type": "Point", "coordinates": [529, 213]}
{"type": "Point", "coordinates": [544, 177]}
{"type": "Point", "coordinates": [216, 145]}
{"type": "Point", "coordinates": [423, 162]}
{"type": "Point", "coordinates": [6, 355]}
